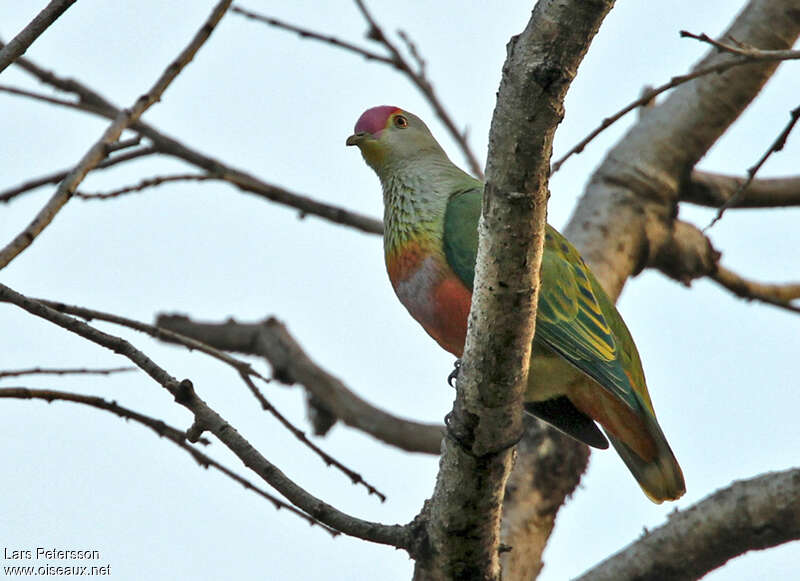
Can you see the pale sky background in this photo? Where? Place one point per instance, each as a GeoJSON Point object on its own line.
{"type": "Point", "coordinates": [721, 371]}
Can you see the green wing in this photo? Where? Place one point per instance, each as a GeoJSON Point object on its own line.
{"type": "Point", "coordinates": [578, 321]}
{"type": "Point", "coordinates": [575, 316]}
{"type": "Point", "coordinates": [461, 232]}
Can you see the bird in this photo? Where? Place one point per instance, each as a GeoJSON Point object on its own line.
{"type": "Point", "coordinates": [585, 367]}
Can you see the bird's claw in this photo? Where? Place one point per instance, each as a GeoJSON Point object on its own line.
{"type": "Point", "coordinates": [454, 374]}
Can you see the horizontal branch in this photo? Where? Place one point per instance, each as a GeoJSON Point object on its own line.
{"type": "Point", "coordinates": [688, 254]}
{"type": "Point", "coordinates": [271, 340]}
{"type": "Point", "coordinates": [72, 371]}
{"type": "Point", "coordinates": [164, 430]}
{"type": "Point", "coordinates": [748, 515]}
{"type": "Point", "coordinates": [714, 190]}
{"type": "Point", "coordinates": [144, 184]}
{"type": "Point", "coordinates": [779, 295]}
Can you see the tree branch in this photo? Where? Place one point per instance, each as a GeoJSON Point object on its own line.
{"type": "Point", "coordinates": [290, 364]}
{"type": "Point", "coordinates": [750, 514]}
{"type": "Point", "coordinates": [329, 460]}
{"type": "Point", "coordinates": [76, 371]}
{"type": "Point", "coordinates": [99, 150]}
{"type": "Point", "coordinates": [779, 295]}
{"type": "Point", "coordinates": [17, 46]}
{"type": "Point", "coordinates": [306, 33]}
{"type": "Point", "coordinates": [54, 178]}
{"type": "Point", "coordinates": [144, 184]}
{"type": "Point", "coordinates": [776, 146]}
{"type": "Point", "coordinates": [689, 254]}
{"type": "Point", "coordinates": [486, 421]}
{"type": "Point", "coordinates": [714, 190]}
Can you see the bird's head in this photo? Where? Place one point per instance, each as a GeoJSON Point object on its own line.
{"type": "Point", "coordinates": [388, 136]}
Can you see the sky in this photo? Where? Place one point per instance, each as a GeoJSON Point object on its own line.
{"type": "Point", "coordinates": [720, 370]}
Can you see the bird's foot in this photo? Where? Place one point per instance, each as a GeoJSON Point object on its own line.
{"type": "Point", "coordinates": [453, 377]}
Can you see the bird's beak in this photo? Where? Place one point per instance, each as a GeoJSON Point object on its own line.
{"type": "Point", "coordinates": [357, 138]}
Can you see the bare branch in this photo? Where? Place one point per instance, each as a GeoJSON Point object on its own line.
{"type": "Point", "coordinates": [689, 254]}
{"type": "Point", "coordinates": [355, 477]}
{"type": "Point", "coordinates": [750, 514]}
{"type": "Point", "coordinates": [17, 46]}
{"type": "Point", "coordinates": [290, 364]}
{"type": "Point", "coordinates": [242, 367]}
{"type": "Point", "coordinates": [99, 150]}
{"type": "Point", "coordinates": [77, 371]}
{"type": "Point", "coordinates": [174, 435]}
{"type": "Point", "coordinates": [777, 145]}
{"type": "Point", "coordinates": [93, 102]}
{"type": "Point", "coordinates": [779, 295]}
{"type": "Point", "coordinates": [741, 49]}
{"type": "Point", "coordinates": [306, 33]}
{"type": "Point", "coordinates": [715, 190]}
{"type": "Point", "coordinates": [464, 532]}
{"type": "Point", "coordinates": [146, 183]}
{"type": "Point", "coordinates": [11, 193]}
{"type": "Point", "coordinates": [208, 419]}
{"type": "Point", "coordinates": [751, 56]}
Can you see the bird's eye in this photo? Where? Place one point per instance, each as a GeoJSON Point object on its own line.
{"type": "Point", "coordinates": [401, 122]}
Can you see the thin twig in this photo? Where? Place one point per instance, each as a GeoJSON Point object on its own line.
{"type": "Point", "coordinates": [99, 151]}
{"type": "Point", "coordinates": [144, 184]}
{"type": "Point", "coordinates": [20, 43]}
{"type": "Point", "coordinates": [306, 33]}
{"type": "Point", "coordinates": [741, 49]}
{"type": "Point", "coordinates": [735, 61]}
{"type": "Point", "coordinates": [11, 193]}
{"type": "Point", "coordinates": [355, 477]}
{"type": "Point", "coordinates": [163, 430]}
{"type": "Point", "coordinates": [776, 146]}
{"type": "Point", "coordinates": [72, 371]}
{"type": "Point", "coordinates": [242, 367]}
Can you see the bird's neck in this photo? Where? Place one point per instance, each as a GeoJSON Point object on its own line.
{"type": "Point", "coordinates": [415, 199]}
